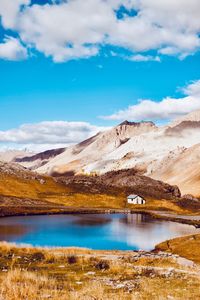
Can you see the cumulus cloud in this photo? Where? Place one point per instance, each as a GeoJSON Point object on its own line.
{"type": "Point", "coordinates": [48, 134]}
{"type": "Point", "coordinates": [66, 31]}
{"type": "Point", "coordinates": [142, 58]}
{"type": "Point", "coordinates": [12, 49]}
{"type": "Point", "coordinates": [168, 108]}
{"type": "Point", "coordinates": [9, 10]}
{"type": "Point", "coordinates": [73, 29]}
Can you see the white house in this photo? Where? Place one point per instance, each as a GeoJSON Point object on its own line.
{"type": "Point", "coordinates": [135, 199]}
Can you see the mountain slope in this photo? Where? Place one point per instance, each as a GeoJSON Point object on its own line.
{"type": "Point", "coordinates": [142, 146]}
{"type": "Point", "coordinates": [16, 181]}
{"type": "Point", "coordinates": [128, 145]}
{"type": "Point", "coordinates": [35, 161]}
{"type": "Point", "coordinates": [78, 157]}
{"type": "Point", "coordinates": [181, 166]}
{"type": "Point", "coordinates": [182, 169]}
{"type": "Point", "coordinates": [12, 155]}
{"type": "Point", "coordinates": [193, 116]}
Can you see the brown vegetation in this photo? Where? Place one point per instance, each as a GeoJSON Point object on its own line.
{"type": "Point", "coordinates": [26, 192]}
{"type": "Point", "coordinates": [73, 273]}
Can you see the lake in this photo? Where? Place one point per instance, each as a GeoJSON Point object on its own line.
{"type": "Point", "coordinates": [95, 231]}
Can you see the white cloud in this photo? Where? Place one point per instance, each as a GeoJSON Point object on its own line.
{"type": "Point", "coordinates": [48, 134]}
{"type": "Point", "coordinates": [9, 10]}
{"type": "Point", "coordinates": [12, 49]}
{"type": "Point", "coordinates": [168, 108]}
{"type": "Point", "coordinates": [66, 31]}
{"type": "Point", "coordinates": [192, 89]}
{"type": "Point", "coordinates": [143, 58]}
{"type": "Point", "coordinates": [75, 28]}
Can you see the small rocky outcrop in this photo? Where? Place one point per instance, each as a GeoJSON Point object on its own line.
{"type": "Point", "coordinates": [189, 197]}
{"type": "Point", "coordinates": [14, 169]}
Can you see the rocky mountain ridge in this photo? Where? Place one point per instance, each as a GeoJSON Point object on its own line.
{"type": "Point", "coordinates": [147, 148]}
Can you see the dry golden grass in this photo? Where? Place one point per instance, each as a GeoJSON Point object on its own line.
{"type": "Point", "coordinates": [55, 193]}
{"type": "Point", "coordinates": [30, 188]}
{"type": "Point", "coordinates": [90, 200]}
{"type": "Point", "coordinates": [164, 205]}
{"type": "Point", "coordinates": [187, 288]}
{"type": "Point", "coordinates": [187, 246]}
{"type": "Point", "coordinates": [23, 285]}
{"type": "Point", "coordinates": [37, 274]}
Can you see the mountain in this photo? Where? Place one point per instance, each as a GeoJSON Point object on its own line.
{"type": "Point", "coordinates": [185, 127]}
{"type": "Point", "coordinates": [181, 168]}
{"type": "Point", "coordinates": [12, 155]}
{"type": "Point", "coordinates": [149, 149]}
{"type": "Point", "coordinates": [193, 116]}
{"type": "Point", "coordinates": [37, 160]}
{"type": "Point", "coordinates": [77, 158]}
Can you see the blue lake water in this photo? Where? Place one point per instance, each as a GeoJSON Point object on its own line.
{"type": "Point", "coordinates": [105, 231]}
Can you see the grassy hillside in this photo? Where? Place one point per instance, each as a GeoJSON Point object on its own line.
{"type": "Point", "coordinates": [187, 246]}
{"type": "Point", "coordinates": [54, 192]}
{"type": "Point", "coordinates": [29, 188]}
{"type": "Point", "coordinates": [67, 273]}
{"type": "Point", "coordinates": [20, 187]}
{"type": "Point", "coordinates": [15, 191]}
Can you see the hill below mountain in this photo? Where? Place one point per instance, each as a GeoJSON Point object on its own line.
{"type": "Point", "coordinates": [122, 182]}
{"type": "Point", "coordinates": [25, 192]}
{"type": "Point", "coordinates": [24, 185]}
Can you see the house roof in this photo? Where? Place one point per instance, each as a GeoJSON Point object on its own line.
{"type": "Point", "coordinates": [133, 196]}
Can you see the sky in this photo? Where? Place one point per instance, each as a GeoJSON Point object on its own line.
{"type": "Point", "coordinates": [69, 69]}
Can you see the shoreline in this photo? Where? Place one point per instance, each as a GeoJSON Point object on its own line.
{"type": "Point", "coordinates": [6, 211]}
{"type": "Point", "coordinates": [177, 218]}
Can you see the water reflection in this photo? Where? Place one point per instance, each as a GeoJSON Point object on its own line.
{"type": "Point", "coordinates": [92, 220]}
{"type": "Point", "coordinates": [10, 232]}
{"type": "Point", "coordinates": [141, 231]}
{"type": "Point", "coordinates": [132, 231]}
{"type": "Point", "coordinates": [137, 220]}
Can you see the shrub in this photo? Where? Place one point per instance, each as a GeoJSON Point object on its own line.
{"type": "Point", "coordinates": [51, 260]}
{"type": "Point", "coordinates": [102, 265]}
{"type": "Point", "coordinates": [38, 256]}
{"type": "Point", "coordinates": [72, 259]}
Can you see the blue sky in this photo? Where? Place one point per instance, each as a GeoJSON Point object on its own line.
{"type": "Point", "coordinates": [37, 89]}
{"type": "Point", "coordinates": [74, 77]}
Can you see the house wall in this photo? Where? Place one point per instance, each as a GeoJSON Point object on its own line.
{"type": "Point", "coordinates": [132, 201]}
{"type": "Point", "coordinates": [137, 200]}
{"type": "Point", "coordinates": [140, 201]}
